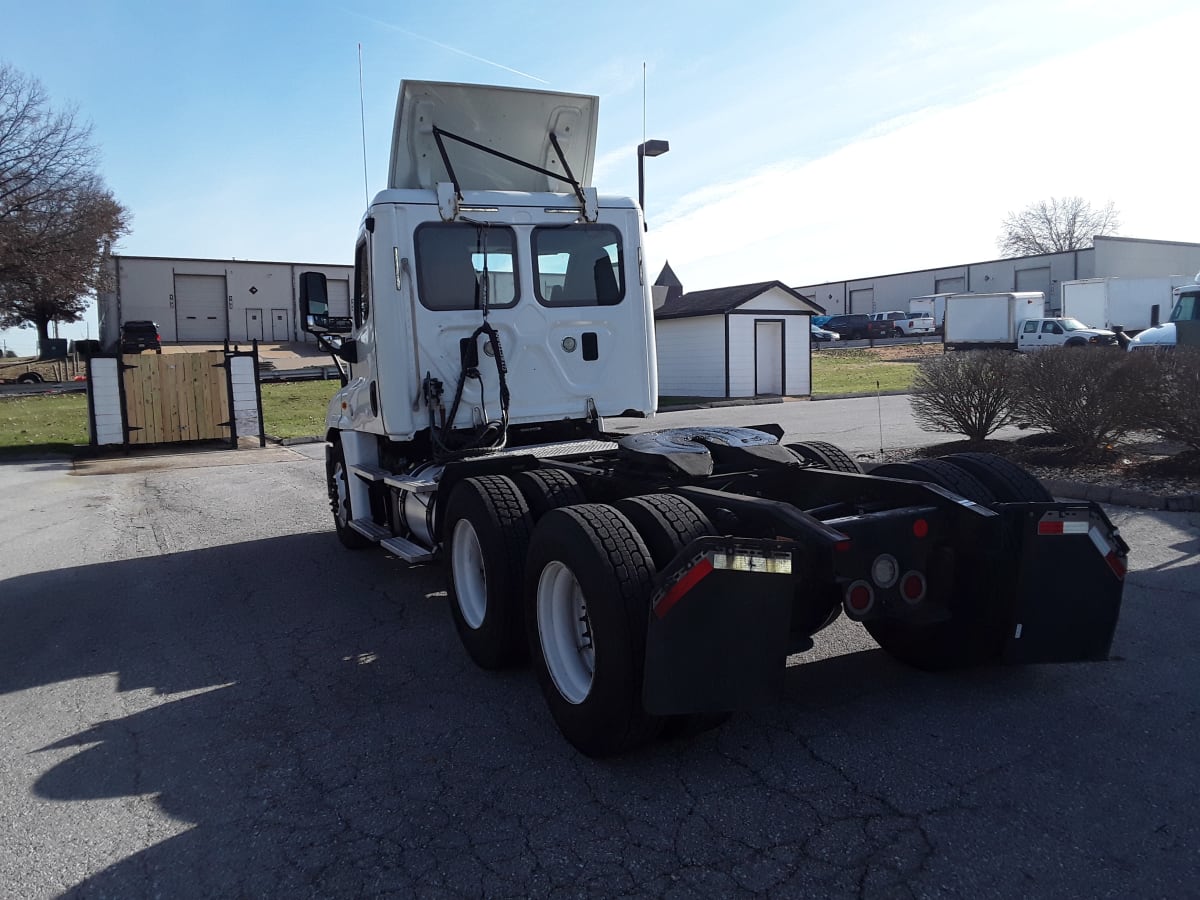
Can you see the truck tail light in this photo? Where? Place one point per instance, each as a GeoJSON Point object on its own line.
{"type": "Point", "coordinates": [859, 599]}
{"type": "Point", "coordinates": [912, 587]}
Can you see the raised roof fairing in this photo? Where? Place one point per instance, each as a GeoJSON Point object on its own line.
{"type": "Point", "coordinates": [513, 121]}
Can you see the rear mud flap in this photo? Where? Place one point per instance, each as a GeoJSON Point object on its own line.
{"type": "Point", "coordinates": [1069, 586]}
{"type": "Point", "coordinates": [718, 633]}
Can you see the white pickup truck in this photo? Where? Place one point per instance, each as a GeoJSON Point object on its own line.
{"type": "Point", "coordinates": [905, 324]}
{"type": "Point", "coordinates": [1037, 334]}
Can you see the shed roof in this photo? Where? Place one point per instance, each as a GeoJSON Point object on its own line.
{"type": "Point", "coordinates": [718, 301]}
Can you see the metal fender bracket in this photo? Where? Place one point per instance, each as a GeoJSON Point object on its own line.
{"type": "Point", "coordinates": [717, 637]}
{"type": "Point", "coordinates": [1069, 587]}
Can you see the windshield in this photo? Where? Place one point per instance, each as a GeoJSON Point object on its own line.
{"type": "Point", "coordinates": [1187, 309]}
{"type": "Point", "coordinates": [1072, 325]}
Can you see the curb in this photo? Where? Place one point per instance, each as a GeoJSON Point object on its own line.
{"type": "Point", "coordinates": [1117, 496]}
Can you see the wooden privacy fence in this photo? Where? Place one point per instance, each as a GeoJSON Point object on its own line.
{"type": "Point", "coordinates": [152, 398]}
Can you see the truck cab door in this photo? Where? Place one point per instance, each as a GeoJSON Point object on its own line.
{"type": "Point", "coordinates": [1052, 334]}
{"type": "Point", "coordinates": [1030, 336]}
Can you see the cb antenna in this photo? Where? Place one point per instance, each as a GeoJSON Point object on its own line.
{"type": "Point", "coordinates": [362, 113]}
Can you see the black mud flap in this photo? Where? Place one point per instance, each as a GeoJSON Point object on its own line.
{"type": "Point", "coordinates": [718, 633]}
{"type": "Point", "coordinates": [1069, 587]}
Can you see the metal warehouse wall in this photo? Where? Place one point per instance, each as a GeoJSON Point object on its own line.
{"type": "Point", "coordinates": [1134, 258]}
{"type": "Point", "coordinates": [207, 300]}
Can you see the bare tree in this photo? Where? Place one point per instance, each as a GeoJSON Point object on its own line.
{"type": "Point", "coordinates": [57, 217]}
{"type": "Point", "coordinates": [1055, 225]}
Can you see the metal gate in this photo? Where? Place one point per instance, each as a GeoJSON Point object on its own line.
{"type": "Point", "coordinates": [160, 399]}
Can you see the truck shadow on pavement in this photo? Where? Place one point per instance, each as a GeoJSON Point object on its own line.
{"type": "Point", "coordinates": [311, 717]}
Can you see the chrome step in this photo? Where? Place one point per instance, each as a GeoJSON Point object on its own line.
{"type": "Point", "coordinates": [407, 550]}
{"type": "Point", "coordinates": [369, 529]}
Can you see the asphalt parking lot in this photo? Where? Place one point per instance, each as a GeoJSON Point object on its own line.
{"type": "Point", "coordinates": [202, 694]}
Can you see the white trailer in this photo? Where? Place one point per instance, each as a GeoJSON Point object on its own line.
{"type": "Point", "coordinates": [989, 321]}
{"type": "Point", "coordinates": [1182, 329]}
{"type": "Point", "coordinates": [1133, 304]}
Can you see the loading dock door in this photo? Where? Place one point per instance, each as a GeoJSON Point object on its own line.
{"type": "Point", "coordinates": [279, 325]}
{"type": "Point", "coordinates": [768, 358]}
{"type": "Point", "coordinates": [338, 290]}
{"type": "Point", "coordinates": [200, 308]}
{"type": "Point", "coordinates": [1038, 280]}
{"type": "Point", "coordinates": [862, 301]}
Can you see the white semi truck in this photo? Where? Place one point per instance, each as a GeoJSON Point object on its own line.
{"type": "Point", "coordinates": [1183, 326]}
{"type": "Point", "coordinates": [657, 580]}
{"type": "Point", "coordinates": [1131, 304]}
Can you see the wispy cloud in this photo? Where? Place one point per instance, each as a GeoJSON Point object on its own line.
{"type": "Point", "coordinates": [447, 47]}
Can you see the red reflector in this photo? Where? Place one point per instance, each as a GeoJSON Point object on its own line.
{"type": "Point", "coordinates": [920, 528]}
{"type": "Point", "coordinates": [842, 546]}
{"type": "Point", "coordinates": [859, 598]}
{"type": "Point", "coordinates": [1115, 563]}
{"type": "Point", "coordinates": [1052, 527]}
{"type": "Point", "coordinates": [912, 586]}
{"type": "Point", "coordinates": [682, 586]}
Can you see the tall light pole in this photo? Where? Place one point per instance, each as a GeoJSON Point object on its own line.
{"type": "Point", "coordinates": [649, 148]}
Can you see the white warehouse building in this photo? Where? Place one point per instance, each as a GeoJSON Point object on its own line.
{"type": "Point", "coordinates": [1111, 256]}
{"type": "Point", "coordinates": [209, 301]}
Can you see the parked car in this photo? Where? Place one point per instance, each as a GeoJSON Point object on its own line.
{"type": "Point", "coordinates": [139, 335]}
{"type": "Point", "coordinates": [858, 327]}
{"type": "Point", "coordinates": [822, 336]}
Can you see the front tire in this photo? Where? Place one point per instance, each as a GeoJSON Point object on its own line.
{"type": "Point", "coordinates": [339, 501]}
{"type": "Point", "coordinates": [487, 532]}
{"type": "Point", "coordinates": [587, 589]}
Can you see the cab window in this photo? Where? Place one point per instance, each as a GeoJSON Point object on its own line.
{"type": "Point", "coordinates": [580, 265]}
{"type": "Point", "coordinates": [362, 284]}
{"type": "Point", "coordinates": [462, 266]}
{"type": "Point", "coordinates": [1031, 327]}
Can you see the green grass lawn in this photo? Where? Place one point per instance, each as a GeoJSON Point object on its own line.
{"type": "Point", "coordinates": [58, 422]}
{"type": "Point", "coordinates": [856, 372]}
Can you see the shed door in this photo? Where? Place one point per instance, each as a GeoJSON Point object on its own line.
{"type": "Point", "coordinates": [200, 308]}
{"type": "Point", "coordinates": [768, 358]}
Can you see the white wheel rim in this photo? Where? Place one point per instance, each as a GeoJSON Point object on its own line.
{"type": "Point", "coordinates": [343, 494]}
{"type": "Point", "coordinates": [470, 581]}
{"type": "Point", "coordinates": [565, 632]}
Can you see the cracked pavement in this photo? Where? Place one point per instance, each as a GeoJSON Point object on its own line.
{"type": "Point", "coordinates": [203, 694]}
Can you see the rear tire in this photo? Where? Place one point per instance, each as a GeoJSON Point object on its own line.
{"type": "Point", "coordinates": [666, 522]}
{"type": "Point", "coordinates": [547, 489]}
{"type": "Point", "coordinates": [941, 473]}
{"type": "Point", "coordinates": [1008, 481]}
{"type": "Point", "coordinates": [587, 589]}
{"type": "Point", "coordinates": [487, 532]}
{"type": "Point", "coordinates": [826, 456]}
{"type": "Point", "coordinates": [339, 501]}
{"type": "Point", "coordinates": [29, 378]}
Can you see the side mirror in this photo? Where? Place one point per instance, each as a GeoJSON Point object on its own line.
{"type": "Point", "coordinates": [314, 307]}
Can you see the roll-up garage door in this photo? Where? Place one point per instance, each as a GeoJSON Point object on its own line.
{"type": "Point", "coordinates": [338, 290]}
{"type": "Point", "coordinates": [862, 301]}
{"type": "Point", "coordinates": [200, 308]}
{"type": "Point", "coordinates": [1037, 280]}
{"type": "Point", "coordinates": [956, 285]}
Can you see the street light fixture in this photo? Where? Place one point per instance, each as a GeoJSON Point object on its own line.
{"type": "Point", "coordinates": [649, 148]}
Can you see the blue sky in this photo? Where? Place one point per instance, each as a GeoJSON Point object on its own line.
{"type": "Point", "coordinates": [809, 141]}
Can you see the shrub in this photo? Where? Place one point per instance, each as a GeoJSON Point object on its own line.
{"type": "Point", "coordinates": [1088, 397]}
{"type": "Point", "coordinates": [1170, 406]}
{"type": "Point", "coordinates": [965, 393]}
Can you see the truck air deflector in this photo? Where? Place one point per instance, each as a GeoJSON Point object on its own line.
{"type": "Point", "coordinates": [515, 122]}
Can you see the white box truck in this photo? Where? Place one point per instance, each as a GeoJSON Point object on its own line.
{"type": "Point", "coordinates": [1134, 304]}
{"type": "Point", "coordinates": [932, 305]}
{"type": "Point", "coordinates": [656, 581]}
{"type": "Point", "coordinates": [989, 321]}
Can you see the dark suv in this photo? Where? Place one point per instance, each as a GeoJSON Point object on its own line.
{"type": "Point", "coordinates": [141, 335]}
{"type": "Point", "coordinates": [858, 327]}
